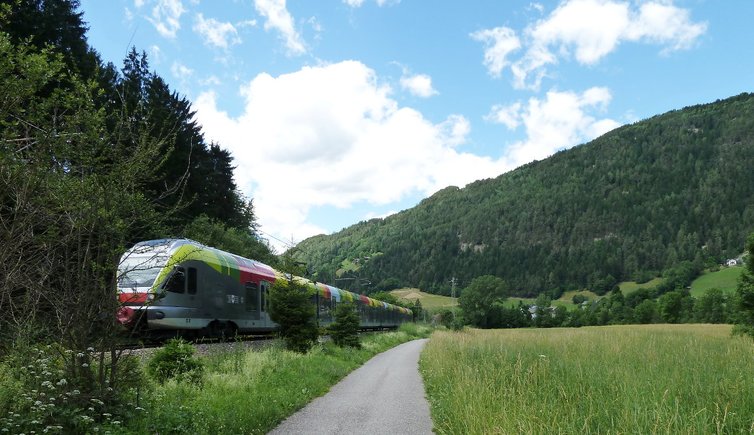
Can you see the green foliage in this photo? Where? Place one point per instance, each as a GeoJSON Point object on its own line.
{"type": "Point", "coordinates": [479, 300]}
{"type": "Point", "coordinates": [45, 389]}
{"type": "Point", "coordinates": [175, 360]}
{"type": "Point", "coordinates": [345, 329]}
{"type": "Point", "coordinates": [745, 293]}
{"type": "Point", "coordinates": [292, 310]}
{"type": "Point", "coordinates": [243, 242]}
{"type": "Point", "coordinates": [640, 199]}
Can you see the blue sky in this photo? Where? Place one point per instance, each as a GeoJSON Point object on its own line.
{"type": "Point", "coordinates": [337, 111]}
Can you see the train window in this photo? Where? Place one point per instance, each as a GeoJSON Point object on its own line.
{"type": "Point", "coordinates": [177, 282]}
{"type": "Point", "coordinates": [191, 281]}
{"type": "Point", "coordinates": [252, 296]}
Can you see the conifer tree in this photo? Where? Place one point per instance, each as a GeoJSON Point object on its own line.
{"type": "Point", "coordinates": [345, 330]}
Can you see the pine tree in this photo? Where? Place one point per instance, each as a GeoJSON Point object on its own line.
{"type": "Point", "coordinates": [345, 330]}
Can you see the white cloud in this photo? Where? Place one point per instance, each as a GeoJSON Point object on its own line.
{"type": "Point", "coordinates": [155, 54]}
{"type": "Point", "coordinates": [210, 81]}
{"type": "Point", "coordinates": [560, 121]}
{"type": "Point", "coordinates": [499, 43]}
{"type": "Point", "coordinates": [380, 3]}
{"type": "Point", "coordinates": [138, 3]}
{"type": "Point", "coordinates": [181, 72]}
{"type": "Point", "coordinates": [332, 136]}
{"type": "Point", "coordinates": [216, 33]}
{"type": "Point", "coordinates": [418, 84]}
{"type": "Point", "coordinates": [278, 18]}
{"type": "Point", "coordinates": [587, 31]}
{"type": "Point", "coordinates": [166, 17]}
{"type": "Point", "coordinates": [509, 115]}
{"type": "Point", "coordinates": [354, 3]}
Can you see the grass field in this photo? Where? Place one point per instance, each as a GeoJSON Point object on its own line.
{"type": "Point", "coordinates": [618, 379]}
{"type": "Point", "coordinates": [629, 286]}
{"type": "Point", "coordinates": [429, 301]}
{"type": "Point", "coordinates": [726, 279]}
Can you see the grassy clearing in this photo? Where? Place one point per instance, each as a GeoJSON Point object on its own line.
{"type": "Point", "coordinates": [247, 391]}
{"type": "Point", "coordinates": [725, 279]}
{"type": "Point", "coordinates": [630, 286]}
{"type": "Point", "coordinates": [429, 301]}
{"type": "Point", "coordinates": [621, 379]}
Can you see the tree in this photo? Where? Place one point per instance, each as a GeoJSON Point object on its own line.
{"type": "Point", "coordinates": [745, 293]}
{"type": "Point", "coordinates": [69, 201]}
{"type": "Point", "coordinates": [345, 329]}
{"type": "Point", "coordinates": [292, 310]}
{"type": "Point", "coordinates": [478, 299]}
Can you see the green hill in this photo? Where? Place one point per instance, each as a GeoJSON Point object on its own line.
{"type": "Point", "coordinates": [625, 206]}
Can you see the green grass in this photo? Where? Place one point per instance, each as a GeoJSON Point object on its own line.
{"type": "Point", "coordinates": [249, 391]}
{"type": "Point", "coordinates": [429, 301]}
{"type": "Point", "coordinates": [617, 379]}
{"type": "Point", "coordinates": [725, 279]}
{"type": "Point", "coordinates": [630, 286]}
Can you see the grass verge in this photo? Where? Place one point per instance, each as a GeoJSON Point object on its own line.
{"type": "Point", "coordinates": [618, 379]}
{"type": "Point", "coordinates": [253, 391]}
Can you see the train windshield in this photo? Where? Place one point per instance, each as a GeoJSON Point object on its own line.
{"type": "Point", "coordinates": [140, 271]}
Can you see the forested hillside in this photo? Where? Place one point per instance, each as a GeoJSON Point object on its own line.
{"type": "Point", "coordinates": [627, 205]}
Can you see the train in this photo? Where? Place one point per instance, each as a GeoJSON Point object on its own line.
{"type": "Point", "coordinates": [182, 287]}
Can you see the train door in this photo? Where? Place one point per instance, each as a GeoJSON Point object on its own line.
{"type": "Point", "coordinates": [264, 303]}
{"type": "Point", "coordinates": [181, 293]}
{"type": "Point", "coordinates": [252, 302]}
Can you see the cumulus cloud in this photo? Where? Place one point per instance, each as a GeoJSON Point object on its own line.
{"type": "Point", "coordinates": [587, 31]}
{"type": "Point", "coordinates": [499, 43]}
{"type": "Point", "coordinates": [418, 84]}
{"type": "Point", "coordinates": [559, 121]}
{"type": "Point", "coordinates": [278, 18]}
{"type": "Point", "coordinates": [166, 17]}
{"type": "Point", "coordinates": [216, 33]}
{"type": "Point", "coordinates": [333, 136]}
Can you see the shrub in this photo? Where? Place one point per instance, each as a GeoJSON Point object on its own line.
{"type": "Point", "coordinates": [345, 330]}
{"type": "Point", "coordinates": [175, 359]}
{"type": "Point", "coordinates": [292, 310]}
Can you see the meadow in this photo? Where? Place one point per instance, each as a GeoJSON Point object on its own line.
{"type": "Point", "coordinates": [252, 391]}
{"type": "Point", "coordinates": [615, 379]}
{"type": "Point", "coordinates": [428, 300]}
{"type": "Point", "coordinates": [725, 279]}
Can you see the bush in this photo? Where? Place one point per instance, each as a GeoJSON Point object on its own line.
{"type": "Point", "coordinates": [292, 310]}
{"type": "Point", "coordinates": [345, 330]}
{"type": "Point", "coordinates": [38, 393]}
{"type": "Point", "coordinates": [175, 359]}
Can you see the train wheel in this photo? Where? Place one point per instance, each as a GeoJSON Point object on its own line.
{"type": "Point", "coordinates": [230, 332]}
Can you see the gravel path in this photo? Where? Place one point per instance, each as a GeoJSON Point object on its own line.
{"type": "Point", "coordinates": [384, 396]}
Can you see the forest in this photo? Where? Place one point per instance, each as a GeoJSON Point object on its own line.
{"type": "Point", "coordinates": [631, 205]}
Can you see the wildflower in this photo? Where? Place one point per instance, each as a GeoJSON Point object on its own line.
{"type": "Point", "coordinates": [90, 349]}
{"type": "Point", "coordinates": [85, 365]}
{"type": "Point", "coordinates": [62, 382]}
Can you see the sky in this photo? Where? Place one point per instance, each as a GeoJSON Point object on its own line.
{"type": "Point", "coordinates": [339, 111]}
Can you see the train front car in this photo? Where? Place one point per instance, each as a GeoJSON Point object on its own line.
{"type": "Point", "coordinates": [180, 286]}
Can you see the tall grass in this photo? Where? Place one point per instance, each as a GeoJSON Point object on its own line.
{"type": "Point", "coordinates": [621, 379]}
{"type": "Point", "coordinates": [247, 391]}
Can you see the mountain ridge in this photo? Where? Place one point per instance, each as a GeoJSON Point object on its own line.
{"type": "Point", "coordinates": [641, 198]}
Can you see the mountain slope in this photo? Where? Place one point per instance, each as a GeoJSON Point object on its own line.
{"type": "Point", "coordinates": [678, 186]}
